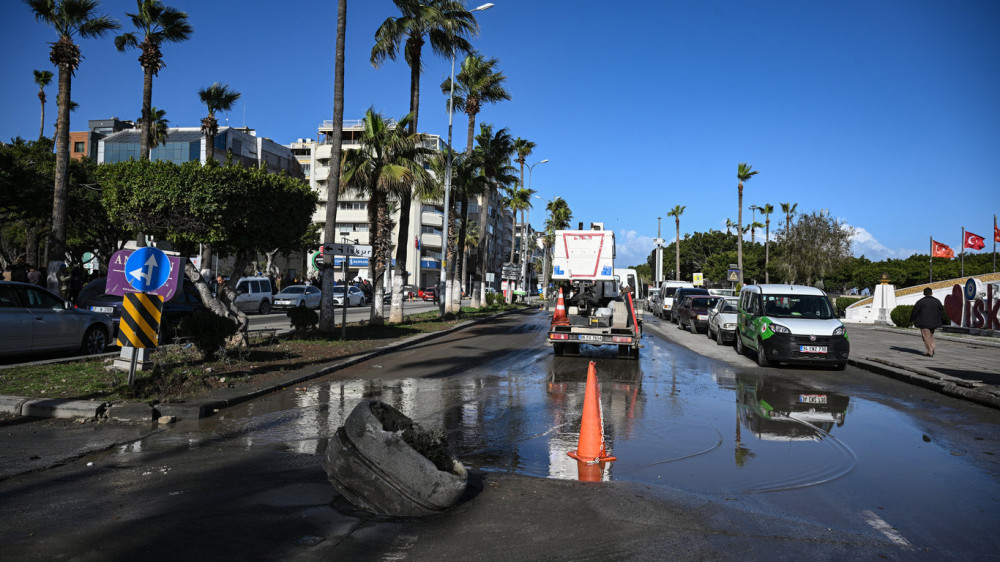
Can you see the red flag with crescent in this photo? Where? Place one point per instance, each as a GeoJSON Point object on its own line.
{"type": "Point", "coordinates": [974, 241]}
{"type": "Point", "coordinates": [996, 233]}
{"type": "Point", "coordinates": [941, 250]}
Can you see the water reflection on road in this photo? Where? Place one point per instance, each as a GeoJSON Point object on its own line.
{"type": "Point", "coordinates": [672, 418]}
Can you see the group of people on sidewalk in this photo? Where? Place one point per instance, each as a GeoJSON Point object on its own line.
{"type": "Point", "coordinates": [71, 279]}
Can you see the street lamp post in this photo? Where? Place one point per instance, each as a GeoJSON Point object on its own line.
{"type": "Point", "coordinates": [443, 281]}
{"type": "Point", "coordinates": [753, 208]}
{"type": "Point", "coordinates": [524, 236]}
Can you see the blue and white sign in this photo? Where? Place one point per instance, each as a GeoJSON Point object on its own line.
{"type": "Point", "coordinates": [147, 269]}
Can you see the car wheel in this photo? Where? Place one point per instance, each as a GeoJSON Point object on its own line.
{"type": "Point", "coordinates": [738, 344]}
{"type": "Point", "coordinates": [762, 359]}
{"type": "Point", "coordinates": [694, 328]}
{"type": "Point", "coordinates": [840, 366]}
{"type": "Point", "coordinates": [95, 340]}
{"type": "Point", "coordinates": [719, 340]}
{"type": "Point", "coordinates": [265, 306]}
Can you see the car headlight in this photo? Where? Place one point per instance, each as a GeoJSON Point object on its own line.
{"type": "Point", "coordinates": [729, 326]}
{"type": "Point", "coordinates": [840, 331]}
{"type": "Point", "coordinates": [779, 329]}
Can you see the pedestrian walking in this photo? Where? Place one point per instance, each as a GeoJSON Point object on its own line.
{"type": "Point", "coordinates": [34, 276]}
{"type": "Point", "coordinates": [926, 315]}
{"type": "Point", "coordinates": [19, 271]}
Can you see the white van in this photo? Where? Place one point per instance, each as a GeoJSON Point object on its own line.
{"type": "Point", "coordinates": [628, 277]}
{"type": "Point", "coordinates": [666, 298]}
{"type": "Point", "coordinates": [790, 324]}
{"type": "Point", "coordinates": [253, 294]}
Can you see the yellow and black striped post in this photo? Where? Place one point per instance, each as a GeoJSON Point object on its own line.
{"type": "Point", "coordinates": [140, 322]}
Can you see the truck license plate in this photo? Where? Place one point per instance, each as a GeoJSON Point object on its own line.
{"type": "Point", "coordinates": [812, 348]}
{"type": "Point", "coordinates": [585, 337]}
{"type": "Point", "coordinates": [812, 398]}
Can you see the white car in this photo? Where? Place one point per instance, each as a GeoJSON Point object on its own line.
{"type": "Point", "coordinates": [253, 294]}
{"type": "Point", "coordinates": [355, 296]}
{"type": "Point", "coordinates": [308, 296]}
{"type": "Point", "coordinates": [722, 321]}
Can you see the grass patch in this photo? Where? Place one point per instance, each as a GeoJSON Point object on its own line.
{"type": "Point", "coordinates": [179, 372]}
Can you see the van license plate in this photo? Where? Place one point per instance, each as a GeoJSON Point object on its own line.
{"type": "Point", "coordinates": [812, 398]}
{"type": "Point", "coordinates": [104, 309]}
{"type": "Point", "coordinates": [812, 348]}
{"type": "Point", "coordinates": [585, 337]}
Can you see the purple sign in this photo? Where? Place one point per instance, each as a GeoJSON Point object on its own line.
{"type": "Point", "coordinates": [118, 283]}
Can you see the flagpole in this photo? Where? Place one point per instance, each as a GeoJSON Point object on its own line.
{"type": "Point", "coordinates": [932, 259]}
{"type": "Point", "coordinates": [994, 243]}
{"type": "Point", "coordinates": [962, 274]}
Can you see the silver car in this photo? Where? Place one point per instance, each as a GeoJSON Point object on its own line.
{"type": "Point", "coordinates": [722, 321]}
{"type": "Point", "coordinates": [298, 295]}
{"type": "Point", "coordinates": [355, 296]}
{"type": "Point", "coordinates": [34, 320]}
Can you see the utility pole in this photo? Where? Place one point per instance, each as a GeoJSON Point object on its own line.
{"type": "Point", "coordinates": [658, 274]}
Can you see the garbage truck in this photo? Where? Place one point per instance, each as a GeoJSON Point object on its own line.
{"type": "Point", "coordinates": [591, 307]}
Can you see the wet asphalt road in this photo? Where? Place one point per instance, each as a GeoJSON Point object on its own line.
{"type": "Point", "coordinates": [717, 458]}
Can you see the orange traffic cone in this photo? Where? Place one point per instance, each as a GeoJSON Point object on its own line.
{"type": "Point", "coordinates": [590, 448]}
{"type": "Point", "coordinates": [559, 317]}
{"type": "Point", "coordinates": [589, 472]}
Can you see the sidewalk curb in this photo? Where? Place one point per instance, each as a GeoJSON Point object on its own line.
{"type": "Point", "coordinates": [75, 408]}
{"type": "Point", "coordinates": [984, 395]}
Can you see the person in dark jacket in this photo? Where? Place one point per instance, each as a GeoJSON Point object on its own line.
{"type": "Point", "coordinates": [926, 315]}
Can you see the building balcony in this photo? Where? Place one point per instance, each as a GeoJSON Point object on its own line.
{"type": "Point", "coordinates": [430, 240]}
{"type": "Point", "coordinates": [431, 218]}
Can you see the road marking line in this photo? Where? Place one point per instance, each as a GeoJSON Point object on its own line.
{"type": "Point", "coordinates": [881, 526]}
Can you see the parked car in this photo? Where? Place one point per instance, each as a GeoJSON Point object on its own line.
{"type": "Point", "coordinates": [186, 301]}
{"type": "Point", "coordinates": [692, 313]}
{"type": "Point", "coordinates": [429, 294]}
{"type": "Point", "coordinates": [253, 294]}
{"type": "Point", "coordinates": [722, 321]}
{"type": "Point", "coordinates": [666, 297]}
{"type": "Point", "coordinates": [652, 299]}
{"type": "Point", "coordinates": [33, 319]}
{"type": "Point", "coordinates": [678, 296]}
{"type": "Point", "coordinates": [298, 295]}
{"type": "Point", "coordinates": [355, 296]}
{"type": "Point", "coordinates": [790, 324]}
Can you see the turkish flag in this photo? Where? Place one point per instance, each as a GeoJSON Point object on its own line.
{"type": "Point", "coordinates": [974, 241]}
{"type": "Point", "coordinates": [941, 250]}
{"type": "Point", "coordinates": [996, 233]}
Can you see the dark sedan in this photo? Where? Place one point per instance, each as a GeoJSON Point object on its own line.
{"type": "Point", "coordinates": [186, 301]}
{"type": "Point", "coordinates": [692, 313]}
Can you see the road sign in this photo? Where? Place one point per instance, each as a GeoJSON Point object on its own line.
{"type": "Point", "coordinates": [734, 275]}
{"type": "Point", "coordinates": [140, 321]}
{"type": "Point", "coordinates": [119, 283]}
{"type": "Point", "coordinates": [147, 269]}
{"type": "Point", "coordinates": [350, 250]}
{"type": "Point", "coordinates": [697, 279]}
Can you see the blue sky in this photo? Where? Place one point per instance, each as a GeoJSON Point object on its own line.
{"type": "Point", "coordinates": [884, 113]}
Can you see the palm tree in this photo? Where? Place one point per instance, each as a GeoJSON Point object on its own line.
{"type": "Point", "coordinates": [676, 212]}
{"type": "Point", "coordinates": [43, 78]}
{"type": "Point", "coordinates": [446, 24]}
{"type": "Point", "coordinates": [158, 131]}
{"type": "Point", "coordinates": [217, 97]}
{"type": "Point", "coordinates": [69, 18]}
{"type": "Point", "coordinates": [766, 210]}
{"type": "Point", "coordinates": [743, 174]}
{"type": "Point", "coordinates": [520, 201]}
{"type": "Point", "coordinates": [471, 241]}
{"type": "Point", "coordinates": [493, 156]}
{"type": "Point", "coordinates": [523, 148]}
{"type": "Point", "coordinates": [382, 169]}
{"type": "Point", "coordinates": [157, 23]}
{"type": "Point", "coordinates": [558, 219]}
{"type": "Point", "coordinates": [789, 210]}
{"type": "Point", "coordinates": [730, 225]}
{"type": "Point", "coordinates": [327, 312]}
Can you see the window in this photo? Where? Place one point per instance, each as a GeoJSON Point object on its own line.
{"type": "Point", "coordinates": [353, 205]}
{"type": "Point", "coordinates": [79, 146]}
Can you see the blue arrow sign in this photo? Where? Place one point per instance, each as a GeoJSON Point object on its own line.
{"type": "Point", "coordinates": [147, 269]}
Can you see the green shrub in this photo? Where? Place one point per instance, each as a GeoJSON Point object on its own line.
{"type": "Point", "coordinates": [490, 298]}
{"type": "Point", "coordinates": [303, 319]}
{"type": "Point", "coordinates": [901, 315]}
{"type": "Point", "coordinates": [207, 331]}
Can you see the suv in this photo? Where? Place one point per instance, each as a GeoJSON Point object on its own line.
{"type": "Point", "coordinates": [679, 295]}
{"type": "Point", "coordinates": [253, 294]}
{"type": "Point", "coordinates": [790, 323]}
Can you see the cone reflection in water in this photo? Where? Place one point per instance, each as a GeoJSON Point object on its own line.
{"type": "Point", "coordinates": [590, 448]}
{"type": "Point", "coordinates": [559, 316]}
{"type": "Point", "coordinates": [589, 472]}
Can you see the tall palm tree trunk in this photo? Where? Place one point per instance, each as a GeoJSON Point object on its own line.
{"type": "Point", "coordinates": [57, 244]}
{"type": "Point", "coordinates": [147, 104]}
{"type": "Point", "coordinates": [678, 247]}
{"type": "Point", "coordinates": [327, 310]}
{"type": "Point", "coordinates": [767, 248]}
{"type": "Point", "coordinates": [739, 235]}
{"type": "Point", "coordinates": [41, 127]}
